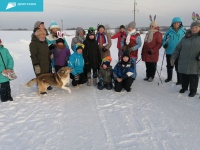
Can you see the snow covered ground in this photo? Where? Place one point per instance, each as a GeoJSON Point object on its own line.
{"type": "Point", "coordinates": [151, 117]}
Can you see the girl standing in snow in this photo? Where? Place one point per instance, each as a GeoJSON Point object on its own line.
{"type": "Point", "coordinates": [124, 73]}
{"type": "Point", "coordinates": [92, 56]}
{"type": "Point", "coordinates": [188, 52]}
{"type": "Point", "coordinates": [104, 41]}
{"type": "Point", "coordinates": [6, 66]}
{"type": "Point", "coordinates": [61, 54]}
{"type": "Point", "coordinates": [150, 50]}
{"type": "Point", "coordinates": [120, 42]}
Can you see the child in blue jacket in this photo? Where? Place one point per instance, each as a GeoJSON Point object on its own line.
{"type": "Point", "coordinates": [76, 62]}
{"type": "Point", "coordinates": [124, 73]}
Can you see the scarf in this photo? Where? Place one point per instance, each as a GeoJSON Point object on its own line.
{"type": "Point", "coordinates": [129, 36]}
{"type": "Point", "coordinates": [104, 39]}
{"type": "Point", "coordinates": [149, 36]}
{"type": "Point", "coordinates": [81, 38]}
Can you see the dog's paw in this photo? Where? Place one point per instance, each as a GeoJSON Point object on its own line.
{"type": "Point", "coordinates": [69, 91]}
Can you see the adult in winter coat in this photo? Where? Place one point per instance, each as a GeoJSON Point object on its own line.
{"type": "Point", "coordinates": [150, 50]}
{"type": "Point", "coordinates": [188, 52]}
{"type": "Point", "coordinates": [120, 42]}
{"type": "Point", "coordinates": [171, 38]}
{"type": "Point", "coordinates": [124, 73]}
{"type": "Point", "coordinates": [40, 54]}
{"type": "Point", "coordinates": [104, 41]}
{"type": "Point", "coordinates": [92, 56]}
{"type": "Point", "coordinates": [79, 37]}
{"type": "Point", "coordinates": [105, 74]}
{"type": "Point", "coordinates": [5, 58]}
{"type": "Point", "coordinates": [76, 62]}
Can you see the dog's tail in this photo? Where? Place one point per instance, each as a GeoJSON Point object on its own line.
{"type": "Point", "coordinates": [31, 82]}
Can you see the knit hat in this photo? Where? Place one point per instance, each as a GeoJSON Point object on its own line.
{"type": "Point", "coordinates": [53, 25]}
{"type": "Point", "coordinates": [100, 26]}
{"type": "Point", "coordinates": [91, 31]}
{"type": "Point", "coordinates": [79, 46]}
{"type": "Point", "coordinates": [132, 25]}
{"type": "Point", "coordinates": [195, 23]}
{"type": "Point", "coordinates": [60, 40]}
{"type": "Point", "coordinates": [122, 26]}
{"type": "Point", "coordinates": [106, 61]}
{"type": "Point", "coordinates": [37, 24]}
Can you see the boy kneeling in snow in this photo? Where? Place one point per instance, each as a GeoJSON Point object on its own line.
{"type": "Point", "coordinates": [105, 74]}
{"type": "Point", "coordinates": [124, 73]}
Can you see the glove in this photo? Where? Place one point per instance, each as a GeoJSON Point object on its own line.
{"type": "Point", "coordinates": [52, 46]}
{"type": "Point", "coordinates": [129, 50]}
{"type": "Point", "coordinates": [165, 45]}
{"type": "Point", "coordinates": [104, 49]}
{"type": "Point", "coordinates": [124, 48]}
{"type": "Point", "coordinates": [129, 74]}
{"type": "Point", "coordinates": [198, 57]}
{"type": "Point", "coordinates": [172, 61]}
{"type": "Point", "coordinates": [149, 52]}
{"type": "Point", "coordinates": [37, 69]}
{"type": "Point", "coordinates": [76, 77]}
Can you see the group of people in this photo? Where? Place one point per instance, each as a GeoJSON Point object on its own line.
{"type": "Point", "coordinates": [91, 58]}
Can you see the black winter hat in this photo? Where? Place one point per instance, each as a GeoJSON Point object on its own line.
{"type": "Point", "coordinates": [122, 26]}
{"type": "Point", "coordinates": [125, 54]}
{"type": "Point", "coordinates": [101, 26]}
{"type": "Point", "coordinates": [60, 40]}
{"type": "Point", "coordinates": [91, 31]}
{"type": "Point", "coordinates": [107, 63]}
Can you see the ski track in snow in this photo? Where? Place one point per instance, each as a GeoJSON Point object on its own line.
{"type": "Point", "coordinates": [151, 117]}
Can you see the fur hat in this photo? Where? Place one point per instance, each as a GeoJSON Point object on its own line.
{"type": "Point", "coordinates": [91, 31]}
{"type": "Point", "coordinates": [53, 25]}
{"type": "Point", "coordinates": [122, 26]}
{"type": "Point", "coordinates": [60, 40]}
{"type": "Point", "coordinates": [132, 25]}
{"type": "Point", "coordinates": [100, 26]}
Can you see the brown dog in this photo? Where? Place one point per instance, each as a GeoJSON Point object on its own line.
{"type": "Point", "coordinates": [59, 79]}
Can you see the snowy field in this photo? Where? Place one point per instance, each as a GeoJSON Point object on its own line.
{"type": "Point", "coordinates": [153, 116]}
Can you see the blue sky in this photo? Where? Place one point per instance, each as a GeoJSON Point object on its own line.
{"type": "Point", "coordinates": [88, 13]}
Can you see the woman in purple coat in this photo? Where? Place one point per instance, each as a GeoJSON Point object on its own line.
{"type": "Point", "coordinates": [60, 54]}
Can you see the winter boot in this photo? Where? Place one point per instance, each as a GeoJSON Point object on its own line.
{"type": "Point", "coordinates": [150, 79]}
{"type": "Point", "coordinates": [169, 75]}
{"type": "Point", "coordinates": [6, 92]}
{"type": "Point", "coordinates": [146, 78]}
{"type": "Point", "coordinates": [178, 79]}
{"type": "Point", "coordinates": [94, 81]}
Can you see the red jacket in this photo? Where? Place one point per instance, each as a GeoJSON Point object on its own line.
{"type": "Point", "coordinates": [120, 41]}
{"type": "Point", "coordinates": [154, 47]}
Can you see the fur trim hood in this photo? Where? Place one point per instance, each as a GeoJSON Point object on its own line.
{"type": "Point", "coordinates": [189, 34]}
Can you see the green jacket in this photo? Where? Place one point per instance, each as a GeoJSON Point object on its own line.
{"type": "Point", "coordinates": [8, 60]}
{"type": "Point", "coordinates": [187, 51]}
{"type": "Point", "coordinates": [40, 54]}
{"type": "Point", "coordinates": [106, 74]}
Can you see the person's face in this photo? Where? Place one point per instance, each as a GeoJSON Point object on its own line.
{"type": "Point", "coordinates": [80, 33]}
{"type": "Point", "coordinates": [195, 29]}
{"type": "Point", "coordinates": [122, 30]}
{"type": "Point", "coordinates": [125, 59]}
{"type": "Point", "coordinates": [176, 25]}
{"type": "Point", "coordinates": [101, 30]}
{"type": "Point", "coordinates": [104, 66]}
{"type": "Point", "coordinates": [60, 44]}
{"type": "Point", "coordinates": [41, 37]}
{"type": "Point", "coordinates": [151, 27]}
{"type": "Point", "coordinates": [91, 36]}
{"type": "Point", "coordinates": [130, 29]}
{"type": "Point", "coordinates": [41, 26]}
{"type": "Point", "coordinates": [79, 51]}
{"type": "Point", "coordinates": [54, 30]}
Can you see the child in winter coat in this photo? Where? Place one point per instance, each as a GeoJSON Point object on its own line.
{"type": "Point", "coordinates": [76, 62]}
{"type": "Point", "coordinates": [120, 42]}
{"type": "Point", "coordinates": [105, 74]}
{"type": "Point", "coordinates": [7, 60]}
{"type": "Point", "coordinates": [61, 54]}
{"type": "Point", "coordinates": [124, 73]}
{"type": "Point", "coordinates": [92, 56]}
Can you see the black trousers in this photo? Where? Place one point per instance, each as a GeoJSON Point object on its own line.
{"type": "Point", "coordinates": [82, 79]}
{"type": "Point", "coordinates": [170, 68]}
{"type": "Point", "coordinates": [150, 69]}
{"type": "Point", "coordinates": [5, 91]}
{"type": "Point", "coordinates": [192, 80]}
{"type": "Point", "coordinates": [126, 84]}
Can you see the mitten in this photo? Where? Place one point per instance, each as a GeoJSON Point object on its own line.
{"type": "Point", "coordinates": [149, 52]}
{"type": "Point", "coordinates": [37, 69]}
{"type": "Point", "coordinates": [76, 77]}
{"type": "Point", "coordinates": [52, 46]}
{"type": "Point", "coordinates": [129, 74]}
{"type": "Point", "coordinates": [104, 49]}
{"type": "Point", "coordinates": [124, 48]}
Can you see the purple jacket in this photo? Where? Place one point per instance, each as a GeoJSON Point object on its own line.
{"type": "Point", "coordinates": [61, 56]}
